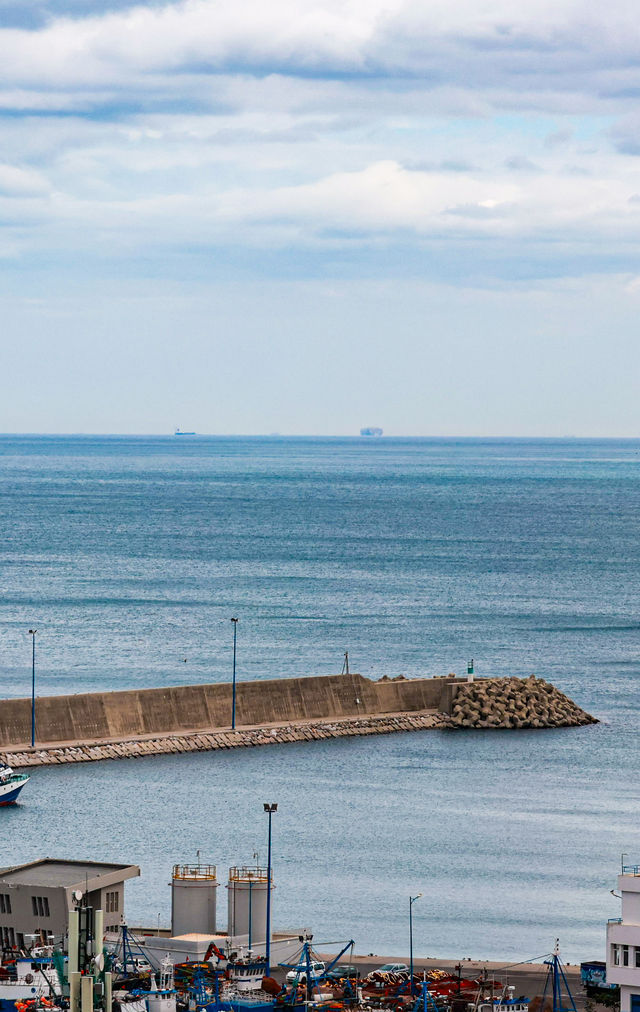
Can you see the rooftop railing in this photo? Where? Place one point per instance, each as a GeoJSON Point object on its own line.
{"type": "Point", "coordinates": [631, 869]}
{"type": "Point", "coordinates": [203, 872]}
{"type": "Point", "coordinates": [245, 874]}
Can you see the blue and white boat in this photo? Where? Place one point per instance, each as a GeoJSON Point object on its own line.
{"type": "Point", "coordinates": [10, 785]}
{"type": "Point", "coordinates": [36, 980]}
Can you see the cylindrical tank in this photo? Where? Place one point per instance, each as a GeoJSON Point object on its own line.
{"type": "Point", "coordinates": [248, 904]}
{"type": "Point", "coordinates": [193, 899]}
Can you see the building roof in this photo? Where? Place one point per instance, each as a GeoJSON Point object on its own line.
{"type": "Point", "coordinates": [67, 874]}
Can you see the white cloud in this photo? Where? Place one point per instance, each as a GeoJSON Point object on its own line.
{"type": "Point", "coordinates": [21, 182]}
{"type": "Point", "coordinates": [318, 122]}
{"type": "Point", "coordinates": [536, 47]}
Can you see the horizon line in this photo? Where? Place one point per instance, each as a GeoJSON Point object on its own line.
{"type": "Point", "coordinates": [315, 435]}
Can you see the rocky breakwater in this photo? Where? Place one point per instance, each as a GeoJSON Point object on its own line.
{"type": "Point", "coordinates": [206, 741]}
{"type": "Point", "coordinates": [514, 703]}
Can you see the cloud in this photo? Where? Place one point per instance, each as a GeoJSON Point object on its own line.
{"type": "Point", "coordinates": [15, 181]}
{"type": "Point", "coordinates": [323, 125]}
{"type": "Point", "coordinates": [536, 47]}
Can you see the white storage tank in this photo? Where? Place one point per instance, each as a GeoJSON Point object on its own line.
{"type": "Point", "coordinates": [193, 899]}
{"type": "Point", "coordinates": [248, 904]}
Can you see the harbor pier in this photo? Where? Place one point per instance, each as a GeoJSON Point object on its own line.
{"type": "Point", "coordinates": [194, 718]}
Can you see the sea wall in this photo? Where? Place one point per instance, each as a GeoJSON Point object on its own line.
{"type": "Point", "coordinates": [142, 712]}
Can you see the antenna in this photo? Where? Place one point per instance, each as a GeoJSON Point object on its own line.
{"type": "Point", "coordinates": [345, 666]}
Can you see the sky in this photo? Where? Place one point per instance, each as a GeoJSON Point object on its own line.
{"type": "Point", "coordinates": [307, 216]}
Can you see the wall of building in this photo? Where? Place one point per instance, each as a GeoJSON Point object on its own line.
{"type": "Point", "coordinates": [629, 885]}
{"type": "Point", "coordinates": [629, 998]}
{"type": "Point", "coordinates": [113, 715]}
{"type": "Point", "coordinates": [48, 915]}
{"type": "Point", "coordinates": [623, 944]}
{"type": "Point", "coordinates": [193, 947]}
{"type": "Point", "coordinates": [111, 901]}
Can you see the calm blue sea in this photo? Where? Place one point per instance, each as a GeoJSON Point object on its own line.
{"type": "Point", "coordinates": [130, 555]}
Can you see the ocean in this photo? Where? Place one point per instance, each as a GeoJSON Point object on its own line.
{"type": "Point", "coordinates": [130, 555]}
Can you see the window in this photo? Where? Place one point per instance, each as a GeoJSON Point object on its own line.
{"type": "Point", "coordinates": [7, 937]}
{"type": "Point", "coordinates": [40, 906]}
{"type": "Point", "coordinates": [616, 955]}
{"type": "Point", "coordinates": [625, 955]}
{"type": "Point", "coordinates": [637, 955]}
{"type": "Point", "coordinates": [113, 902]}
{"type": "Point", "coordinates": [5, 903]}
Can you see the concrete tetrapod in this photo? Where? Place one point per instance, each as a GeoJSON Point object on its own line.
{"type": "Point", "coordinates": [514, 703]}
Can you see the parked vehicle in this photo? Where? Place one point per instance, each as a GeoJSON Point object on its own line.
{"type": "Point", "coordinates": [342, 972]}
{"type": "Point", "coordinates": [298, 975]}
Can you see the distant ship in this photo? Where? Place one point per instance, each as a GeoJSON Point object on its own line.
{"type": "Point", "coordinates": [372, 430]}
{"type": "Point", "coordinates": [180, 432]}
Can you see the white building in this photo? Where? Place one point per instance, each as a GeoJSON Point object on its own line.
{"type": "Point", "coordinates": [623, 941]}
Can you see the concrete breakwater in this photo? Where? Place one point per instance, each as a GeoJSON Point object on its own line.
{"type": "Point", "coordinates": [215, 740]}
{"type": "Point", "coordinates": [188, 708]}
{"type": "Point", "coordinates": [187, 718]}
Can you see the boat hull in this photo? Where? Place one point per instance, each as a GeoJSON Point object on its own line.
{"type": "Point", "coordinates": [9, 792]}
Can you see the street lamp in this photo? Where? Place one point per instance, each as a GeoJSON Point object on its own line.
{"type": "Point", "coordinates": [32, 633]}
{"type": "Point", "coordinates": [233, 696]}
{"type": "Point", "coordinates": [269, 809]}
{"type": "Point", "coordinates": [250, 911]}
{"type": "Point", "coordinates": [412, 900]}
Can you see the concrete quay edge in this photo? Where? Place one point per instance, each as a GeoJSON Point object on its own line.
{"type": "Point", "coordinates": [468, 965]}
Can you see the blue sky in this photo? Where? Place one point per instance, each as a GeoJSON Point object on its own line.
{"type": "Point", "coordinates": [312, 215]}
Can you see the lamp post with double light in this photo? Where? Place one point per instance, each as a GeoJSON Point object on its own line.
{"type": "Point", "coordinates": [233, 691]}
{"type": "Point", "coordinates": [269, 809]}
{"type": "Point", "coordinates": [32, 633]}
{"type": "Point", "coordinates": [412, 900]}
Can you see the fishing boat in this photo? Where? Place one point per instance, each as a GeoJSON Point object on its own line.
{"type": "Point", "coordinates": [162, 995]}
{"type": "Point", "coordinates": [246, 971]}
{"type": "Point", "coordinates": [130, 1001]}
{"type": "Point", "coordinates": [34, 980]}
{"type": "Point", "coordinates": [10, 785]}
{"type": "Point", "coordinates": [504, 1002]}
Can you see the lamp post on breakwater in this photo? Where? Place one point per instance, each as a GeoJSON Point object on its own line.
{"type": "Point", "coordinates": [412, 900]}
{"type": "Point", "coordinates": [269, 809]}
{"type": "Point", "coordinates": [233, 691]}
{"type": "Point", "coordinates": [32, 633]}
